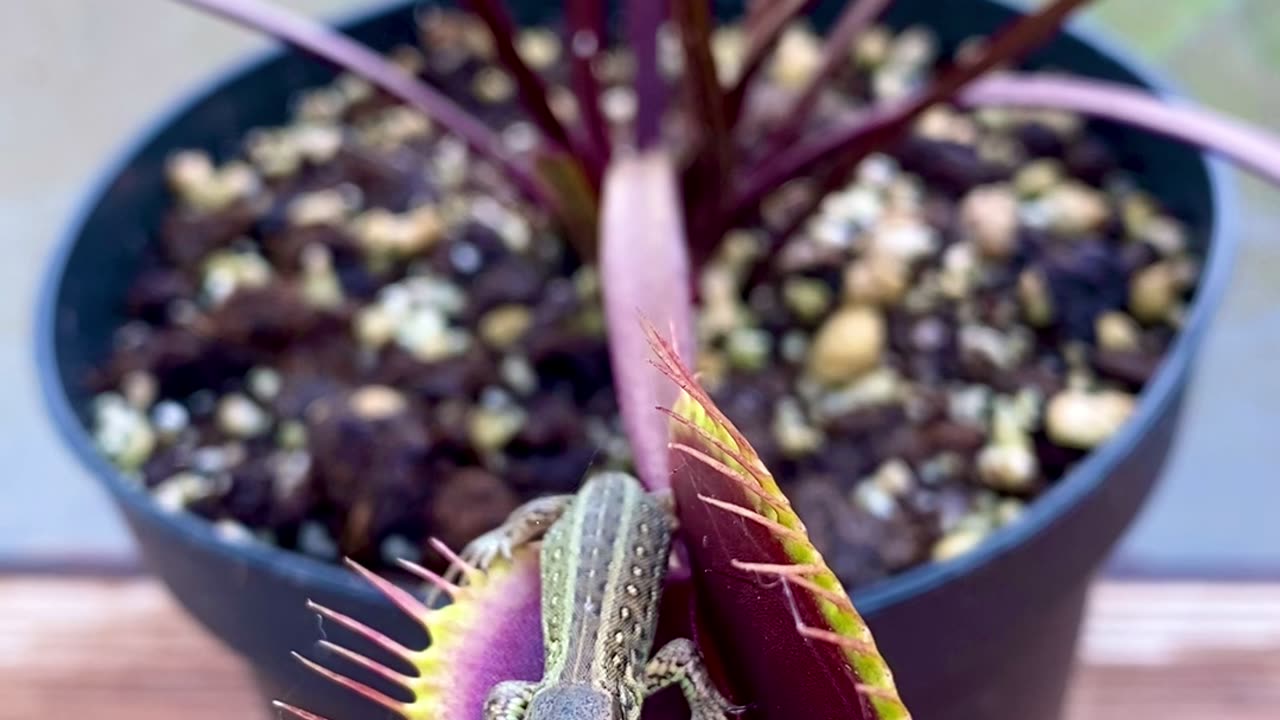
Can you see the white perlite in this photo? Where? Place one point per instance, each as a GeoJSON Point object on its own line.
{"type": "Point", "coordinates": [122, 431]}
{"type": "Point", "coordinates": [176, 492]}
{"type": "Point", "coordinates": [240, 417]}
{"type": "Point", "coordinates": [169, 419]}
{"type": "Point", "coordinates": [1082, 419]}
{"type": "Point", "coordinates": [415, 313]}
{"type": "Point", "coordinates": [226, 271]}
{"type": "Point", "coordinates": [847, 345]}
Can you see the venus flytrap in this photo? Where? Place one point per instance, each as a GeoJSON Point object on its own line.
{"type": "Point", "coordinates": [777, 629]}
{"type": "Point", "coordinates": [488, 634]}
{"type": "Point", "coordinates": [765, 607]}
{"type": "Point", "coordinates": [797, 644]}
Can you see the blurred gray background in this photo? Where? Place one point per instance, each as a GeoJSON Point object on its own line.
{"type": "Point", "coordinates": [84, 75]}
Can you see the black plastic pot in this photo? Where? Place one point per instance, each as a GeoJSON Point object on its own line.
{"type": "Point", "coordinates": [989, 636]}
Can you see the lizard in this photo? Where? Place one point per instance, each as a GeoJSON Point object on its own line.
{"type": "Point", "coordinates": [604, 556]}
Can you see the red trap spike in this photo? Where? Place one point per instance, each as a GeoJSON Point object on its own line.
{"type": "Point", "coordinates": [747, 514]}
{"type": "Point", "coordinates": [402, 599]}
{"type": "Point", "coordinates": [363, 630]}
{"type": "Point", "coordinates": [369, 664]}
{"type": "Point", "coordinates": [357, 687]}
{"type": "Point", "coordinates": [296, 712]}
{"type": "Point", "coordinates": [470, 571]}
{"type": "Point", "coordinates": [430, 576]}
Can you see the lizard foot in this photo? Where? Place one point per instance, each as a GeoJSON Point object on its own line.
{"type": "Point", "coordinates": [486, 549]}
{"type": "Point", "coordinates": [509, 700]}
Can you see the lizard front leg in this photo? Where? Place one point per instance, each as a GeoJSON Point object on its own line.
{"type": "Point", "coordinates": [678, 663]}
{"type": "Point", "coordinates": [524, 525]}
{"type": "Point", "coordinates": [509, 700]}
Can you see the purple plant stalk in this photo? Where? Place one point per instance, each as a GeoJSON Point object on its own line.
{"type": "Point", "coordinates": [842, 147]}
{"type": "Point", "coordinates": [532, 90]}
{"type": "Point", "coordinates": [643, 19]}
{"type": "Point", "coordinates": [585, 36]}
{"type": "Point", "coordinates": [856, 18]}
{"type": "Point", "coordinates": [1246, 146]}
{"type": "Point", "coordinates": [327, 44]}
{"type": "Point", "coordinates": [644, 263]}
{"type": "Point", "coordinates": [693, 17]}
{"type": "Point", "coordinates": [765, 24]}
{"type": "Point", "coordinates": [708, 169]}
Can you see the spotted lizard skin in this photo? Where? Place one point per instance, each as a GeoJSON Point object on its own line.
{"type": "Point", "coordinates": [604, 557]}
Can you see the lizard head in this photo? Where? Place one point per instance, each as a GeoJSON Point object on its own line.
{"type": "Point", "coordinates": [576, 702]}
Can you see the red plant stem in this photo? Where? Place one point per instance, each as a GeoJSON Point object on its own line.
{"type": "Point", "coordinates": [753, 10]}
{"type": "Point", "coordinates": [765, 25]}
{"type": "Point", "coordinates": [342, 51]}
{"type": "Point", "coordinates": [828, 182]}
{"type": "Point", "coordinates": [1247, 146]}
{"type": "Point", "coordinates": [644, 276]}
{"type": "Point", "coordinates": [710, 162]}
{"type": "Point", "coordinates": [863, 135]}
{"type": "Point", "coordinates": [643, 20]}
{"type": "Point", "coordinates": [532, 90]}
{"type": "Point", "coordinates": [586, 35]}
{"type": "Point", "coordinates": [712, 156]}
{"type": "Point", "coordinates": [855, 19]}
{"type": "Point", "coordinates": [863, 130]}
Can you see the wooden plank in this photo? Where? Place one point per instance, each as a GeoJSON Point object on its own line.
{"type": "Point", "coordinates": [119, 649]}
{"type": "Point", "coordinates": [112, 649]}
{"type": "Point", "coordinates": [1180, 651]}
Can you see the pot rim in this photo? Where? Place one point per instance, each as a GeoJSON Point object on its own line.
{"type": "Point", "coordinates": [1070, 491]}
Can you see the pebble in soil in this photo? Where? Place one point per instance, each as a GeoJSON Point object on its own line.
{"type": "Point", "coordinates": [353, 336]}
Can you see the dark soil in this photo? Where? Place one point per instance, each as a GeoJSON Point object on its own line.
{"type": "Point", "coordinates": [355, 337]}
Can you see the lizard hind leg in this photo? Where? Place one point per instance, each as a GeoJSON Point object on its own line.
{"type": "Point", "coordinates": [509, 700]}
{"type": "Point", "coordinates": [679, 663]}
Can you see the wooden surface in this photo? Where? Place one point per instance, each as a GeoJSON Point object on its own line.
{"type": "Point", "coordinates": [119, 649]}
